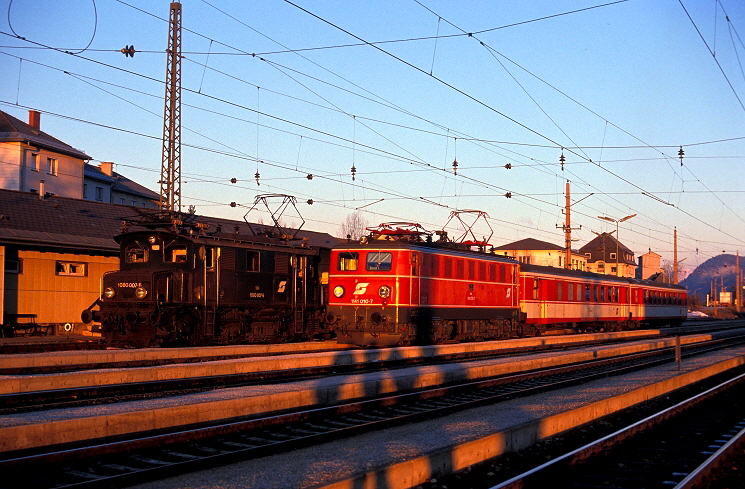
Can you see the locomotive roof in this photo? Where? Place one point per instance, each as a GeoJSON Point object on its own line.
{"type": "Point", "coordinates": [446, 247]}
{"type": "Point", "coordinates": [563, 272]}
{"type": "Point", "coordinates": [232, 239]}
{"type": "Point", "coordinates": [84, 225]}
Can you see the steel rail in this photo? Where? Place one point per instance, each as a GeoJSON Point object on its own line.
{"type": "Point", "coordinates": [545, 475]}
{"type": "Point", "coordinates": [164, 454]}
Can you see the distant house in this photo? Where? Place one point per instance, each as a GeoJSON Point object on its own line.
{"type": "Point", "coordinates": [607, 255]}
{"type": "Point", "coordinates": [649, 268]}
{"type": "Point", "coordinates": [537, 252]}
{"type": "Point", "coordinates": [33, 161]}
{"type": "Point", "coordinates": [103, 184]}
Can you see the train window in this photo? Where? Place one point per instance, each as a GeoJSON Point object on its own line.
{"type": "Point", "coordinates": [136, 254]}
{"type": "Point", "coordinates": [579, 292]}
{"type": "Point", "coordinates": [559, 291]}
{"type": "Point", "coordinates": [253, 263]}
{"type": "Point", "coordinates": [379, 260]}
{"type": "Point", "coordinates": [347, 261]}
{"type": "Point", "coordinates": [602, 293]}
{"type": "Point", "coordinates": [570, 292]}
{"type": "Point", "coordinates": [413, 264]}
{"type": "Point", "coordinates": [587, 293]}
{"type": "Point", "coordinates": [175, 254]}
{"type": "Point", "coordinates": [536, 288]}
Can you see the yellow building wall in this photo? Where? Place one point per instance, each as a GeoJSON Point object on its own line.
{"type": "Point", "coordinates": [57, 298]}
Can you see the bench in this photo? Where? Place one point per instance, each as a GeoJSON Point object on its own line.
{"type": "Point", "coordinates": [18, 324]}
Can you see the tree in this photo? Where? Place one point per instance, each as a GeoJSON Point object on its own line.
{"type": "Point", "coordinates": [353, 226]}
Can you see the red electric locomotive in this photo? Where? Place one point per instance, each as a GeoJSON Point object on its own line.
{"type": "Point", "coordinates": [399, 287]}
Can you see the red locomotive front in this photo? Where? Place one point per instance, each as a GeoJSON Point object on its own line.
{"type": "Point", "coordinates": [389, 292]}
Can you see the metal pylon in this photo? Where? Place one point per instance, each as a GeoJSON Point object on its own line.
{"type": "Point", "coordinates": [170, 173]}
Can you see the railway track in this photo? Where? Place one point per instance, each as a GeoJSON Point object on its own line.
{"type": "Point", "coordinates": [680, 447]}
{"type": "Point", "coordinates": [127, 461]}
{"type": "Point", "coordinates": [99, 394]}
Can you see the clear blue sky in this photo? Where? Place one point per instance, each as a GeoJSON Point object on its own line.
{"type": "Point", "coordinates": [620, 87]}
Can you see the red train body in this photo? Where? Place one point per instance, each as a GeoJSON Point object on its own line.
{"type": "Point", "coordinates": [387, 292]}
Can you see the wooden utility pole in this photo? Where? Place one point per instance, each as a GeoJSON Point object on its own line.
{"type": "Point", "coordinates": [170, 173]}
{"type": "Point", "coordinates": [567, 227]}
{"type": "Point", "coordinates": [568, 231]}
{"type": "Point", "coordinates": [738, 283]}
{"type": "Point", "coordinates": [675, 255]}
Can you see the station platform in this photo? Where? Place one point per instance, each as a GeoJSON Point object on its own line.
{"type": "Point", "coordinates": [270, 360]}
{"type": "Point", "coordinates": [44, 428]}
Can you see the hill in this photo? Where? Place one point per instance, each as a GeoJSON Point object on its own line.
{"type": "Point", "coordinates": [720, 267]}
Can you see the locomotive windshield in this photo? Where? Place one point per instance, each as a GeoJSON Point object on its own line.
{"type": "Point", "coordinates": [379, 260]}
{"type": "Point", "coordinates": [136, 254]}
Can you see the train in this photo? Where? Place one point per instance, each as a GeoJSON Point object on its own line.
{"type": "Point", "coordinates": [180, 285]}
{"type": "Point", "coordinates": [400, 287]}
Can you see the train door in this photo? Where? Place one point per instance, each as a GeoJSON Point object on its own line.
{"type": "Point", "coordinates": [210, 260]}
{"type": "Point", "coordinates": [415, 282]}
{"type": "Point", "coordinates": [300, 285]}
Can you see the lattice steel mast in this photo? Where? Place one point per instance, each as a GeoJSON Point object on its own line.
{"type": "Point", "coordinates": [170, 173]}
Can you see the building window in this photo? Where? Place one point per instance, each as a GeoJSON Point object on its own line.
{"type": "Point", "coordinates": [52, 168]}
{"type": "Point", "coordinates": [35, 161]}
{"type": "Point", "coordinates": [121, 200]}
{"type": "Point", "coordinates": [85, 190]}
{"type": "Point", "coordinates": [588, 255]}
{"type": "Point", "coordinates": [13, 265]}
{"type": "Point", "coordinates": [612, 256]}
{"type": "Point", "coordinates": [134, 203]}
{"type": "Point", "coordinates": [70, 269]}
{"type": "Point", "coordinates": [99, 194]}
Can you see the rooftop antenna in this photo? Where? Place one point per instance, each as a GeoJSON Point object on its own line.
{"type": "Point", "coordinates": [170, 172]}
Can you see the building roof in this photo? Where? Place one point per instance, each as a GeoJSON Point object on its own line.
{"type": "Point", "coordinates": [85, 225]}
{"type": "Point", "coordinates": [15, 130]}
{"type": "Point", "coordinates": [529, 244]}
{"type": "Point", "coordinates": [603, 245]}
{"type": "Point", "coordinates": [119, 182]}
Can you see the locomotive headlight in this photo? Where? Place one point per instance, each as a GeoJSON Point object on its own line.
{"type": "Point", "coordinates": [152, 239]}
{"type": "Point", "coordinates": [109, 292]}
{"type": "Point", "coordinates": [338, 291]}
{"type": "Point", "coordinates": [140, 292]}
{"type": "Point", "coordinates": [384, 291]}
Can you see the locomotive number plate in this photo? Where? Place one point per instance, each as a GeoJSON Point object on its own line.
{"type": "Point", "coordinates": [129, 285]}
{"type": "Point", "coordinates": [363, 301]}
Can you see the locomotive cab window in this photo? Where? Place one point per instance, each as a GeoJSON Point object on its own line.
{"type": "Point", "coordinates": [347, 261]}
{"type": "Point", "coordinates": [379, 260]}
{"type": "Point", "coordinates": [136, 254]}
{"type": "Point", "coordinates": [175, 254]}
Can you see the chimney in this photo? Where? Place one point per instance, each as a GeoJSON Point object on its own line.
{"type": "Point", "coordinates": [41, 188]}
{"type": "Point", "coordinates": [107, 167]}
{"type": "Point", "coordinates": [34, 119]}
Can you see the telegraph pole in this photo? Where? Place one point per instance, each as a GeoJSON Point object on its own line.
{"type": "Point", "coordinates": [568, 231]}
{"type": "Point", "coordinates": [738, 283]}
{"type": "Point", "coordinates": [675, 254]}
{"type": "Point", "coordinates": [170, 173]}
{"type": "Point", "coordinates": [567, 227]}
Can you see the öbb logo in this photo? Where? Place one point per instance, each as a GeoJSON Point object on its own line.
{"type": "Point", "coordinates": [361, 288]}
